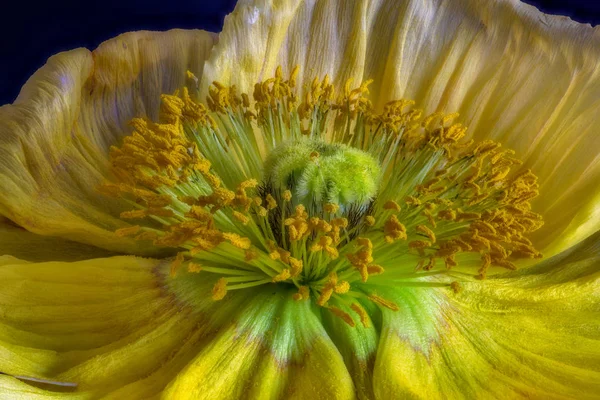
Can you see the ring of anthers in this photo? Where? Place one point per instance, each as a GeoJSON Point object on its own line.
{"type": "Point", "coordinates": [441, 206]}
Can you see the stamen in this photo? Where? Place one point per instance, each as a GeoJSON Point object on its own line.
{"type": "Point", "coordinates": [383, 302]}
{"type": "Point", "coordinates": [307, 189]}
{"type": "Point", "coordinates": [343, 315]}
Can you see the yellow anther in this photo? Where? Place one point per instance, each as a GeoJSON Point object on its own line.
{"type": "Point", "coordinates": [412, 201]}
{"type": "Point", "coordinates": [287, 195]}
{"type": "Point", "coordinates": [190, 75]}
{"type": "Point", "coordinates": [135, 214]}
{"type": "Point", "coordinates": [450, 262]}
{"type": "Point", "coordinates": [220, 289]}
{"type": "Point", "coordinates": [339, 222]}
{"type": "Point", "coordinates": [298, 227]}
{"type": "Point", "coordinates": [369, 220]}
{"type": "Point", "coordinates": [129, 231]}
{"type": "Point", "coordinates": [449, 118]}
{"type": "Point", "coordinates": [464, 216]}
{"type": "Point", "coordinates": [477, 240]}
{"type": "Point", "coordinates": [486, 263]}
{"type": "Point", "coordinates": [391, 205]}
{"type": "Point", "coordinates": [262, 212]}
{"type": "Point", "coordinates": [485, 147]}
{"type": "Point", "coordinates": [303, 293]}
{"type": "Point", "coordinates": [430, 264]}
{"type": "Point", "coordinates": [176, 264]}
{"type": "Point", "coordinates": [374, 269]}
{"type": "Point", "coordinates": [383, 302]}
{"type": "Point", "coordinates": [325, 296]}
{"type": "Point", "coordinates": [343, 315]}
{"type": "Point", "coordinates": [448, 215]}
{"type": "Point", "coordinates": [171, 105]}
{"type": "Point", "coordinates": [362, 258]}
{"type": "Point", "coordinates": [314, 156]}
{"type": "Point", "coordinates": [325, 244]}
{"type": "Point", "coordinates": [394, 230]}
{"type": "Point", "coordinates": [365, 243]}
{"type": "Point", "coordinates": [245, 100]}
{"type": "Point", "coordinates": [294, 76]}
{"type": "Point", "coordinates": [347, 86]}
{"type": "Point", "coordinates": [324, 226]}
{"type": "Point", "coordinates": [212, 180]}
{"type": "Point", "coordinates": [455, 286]}
{"type": "Point", "coordinates": [430, 218]}
{"type": "Point", "coordinates": [313, 223]}
{"type": "Point", "coordinates": [331, 208]}
{"type": "Point", "coordinates": [237, 240]}
{"type": "Point", "coordinates": [277, 253]}
{"type": "Point", "coordinates": [427, 232]}
{"type": "Point", "coordinates": [194, 267]}
{"type": "Point", "coordinates": [499, 174]}
{"type": "Point", "coordinates": [110, 190]}
{"type": "Point", "coordinates": [257, 201]}
{"type": "Point", "coordinates": [158, 201]}
{"type": "Point", "coordinates": [362, 313]}
{"type": "Point", "coordinates": [250, 255]}
{"type": "Point", "coordinates": [282, 276]}
{"type": "Point", "coordinates": [202, 165]}
{"type": "Point", "coordinates": [504, 264]}
{"type": "Point", "coordinates": [419, 244]}
{"type": "Point", "coordinates": [342, 287]}
{"type": "Point", "coordinates": [271, 202]}
{"type": "Point", "coordinates": [248, 184]}
{"type": "Point", "coordinates": [426, 187]}
{"type": "Point", "coordinates": [244, 219]}
{"type": "Point", "coordinates": [295, 267]}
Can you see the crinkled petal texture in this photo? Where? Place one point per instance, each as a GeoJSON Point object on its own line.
{"type": "Point", "coordinates": [54, 139]}
{"type": "Point", "coordinates": [120, 329]}
{"type": "Point", "coordinates": [533, 333]}
{"type": "Point", "coordinates": [23, 244]}
{"type": "Point", "coordinates": [116, 329]}
{"type": "Point", "coordinates": [528, 80]}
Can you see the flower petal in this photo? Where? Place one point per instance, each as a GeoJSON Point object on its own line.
{"type": "Point", "coordinates": [357, 345]}
{"type": "Point", "coordinates": [491, 61]}
{"type": "Point", "coordinates": [103, 324]}
{"type": "Point", "coordinates": [532, 333]}
{"type": "Point", "coordinates": [113, 327]}
{"type": "Point", "coordinates": [277, 349]}
{"type": "Point", "coordinates": [25, 245]}
{"type": "Point", "coordinates": [54, 139]}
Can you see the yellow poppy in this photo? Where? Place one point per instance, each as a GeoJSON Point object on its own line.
{"type": "Point", "coordinates": [294, 210]}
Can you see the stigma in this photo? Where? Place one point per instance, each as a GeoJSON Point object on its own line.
{"type": "Point", "coordinates": [314, 189]}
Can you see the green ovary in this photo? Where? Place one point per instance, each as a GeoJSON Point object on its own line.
{"type": "Point", "coordinates": [317, 172]}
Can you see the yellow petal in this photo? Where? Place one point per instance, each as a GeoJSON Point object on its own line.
{"type": "Point", "coordinates": [526, 79]}
{"type": "Point", "coordinates": [114, 327]}
{"type": "Point", "coordinates": [267, 354]}
{"type": "Point", "coordinates": [26, 245]}
{"type": "Point", "coordinates": [527, 334]}
{"type": "Point", "coordinates": [357, 344]}
{"type": "Point", "coordinates": [103, 324]}
{"type": "Point", "coordinates": [54, 139]}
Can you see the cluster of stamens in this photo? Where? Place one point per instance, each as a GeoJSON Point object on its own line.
{"type": "Point", "coordinates": [429, 204]}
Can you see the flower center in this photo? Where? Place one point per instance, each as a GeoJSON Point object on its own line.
{"type": "Point", "coordinates": [324, 195]}
{"type": "Point", "coordinates": [319, 173]}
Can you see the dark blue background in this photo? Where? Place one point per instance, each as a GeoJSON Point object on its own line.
{"type": "Point", "coordinates": [30, 32]}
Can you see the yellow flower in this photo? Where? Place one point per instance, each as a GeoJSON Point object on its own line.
{"type": "Point", "coordinates": [292, 227]}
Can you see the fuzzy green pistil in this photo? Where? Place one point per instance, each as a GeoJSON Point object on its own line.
{"type": "Point", "coordinates": [317, 173]}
